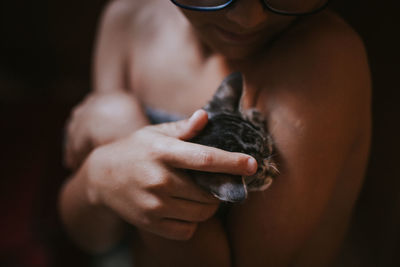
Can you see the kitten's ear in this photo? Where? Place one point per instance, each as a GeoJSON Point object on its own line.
{"type": "Point", "coordinates": [228, 94]}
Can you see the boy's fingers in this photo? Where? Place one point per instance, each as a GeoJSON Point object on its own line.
{"type": "Point", "coordinates": [183, 187]}
{"type": "Point", "coordinates": [185, 129]}
{"type": "Point", "coordinates": [190, 211]}
{"type": "Point", "coordinates": [209, 159]}
{"type": "Point", "coordinates": [76, 152]}
{"type": "Point", "coordinates": [192, 156]}
{"type": "Point", "coordinates": [175, 229]}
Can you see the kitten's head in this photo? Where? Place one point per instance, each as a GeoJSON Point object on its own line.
{"type": "Point", "coordinates": [235, 129]}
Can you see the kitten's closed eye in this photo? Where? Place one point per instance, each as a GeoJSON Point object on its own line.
{"type": "Point", "coordinates": [232, 129]}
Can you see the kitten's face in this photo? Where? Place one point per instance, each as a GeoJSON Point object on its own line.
{"type": "Point", "coordinates": [232, 129]}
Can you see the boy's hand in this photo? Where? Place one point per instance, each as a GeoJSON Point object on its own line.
{"type": "Point", "coordinates": [98, 120]}
{"type": "Point", "coordinates": [140, 177]}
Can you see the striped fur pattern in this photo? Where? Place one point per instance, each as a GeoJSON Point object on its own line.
{"type": "Point", "coordinates": [232, 129]}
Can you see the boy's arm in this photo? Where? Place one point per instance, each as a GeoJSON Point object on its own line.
{"type": "Point", "coordinates": [100, 119]}
{"type": "Point", "coordinates": [94, 228]}
{"type": "Point", "coordinates": [111, 49]}
{"type": "Point", "coordinates": [108, 113]}
{"type": "Point", "coordinates": [111, 110]}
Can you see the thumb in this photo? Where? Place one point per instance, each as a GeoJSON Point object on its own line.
{"type": "Point", "coordinates": [185, 129]}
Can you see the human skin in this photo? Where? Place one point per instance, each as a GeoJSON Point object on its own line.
{"type": "Point", "coordinates": [312, 84]}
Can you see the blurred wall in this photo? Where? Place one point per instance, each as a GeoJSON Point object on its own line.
{"type": "Point", "coordinates": [45, 52]}
{"type": "Point", "coordinates": [375, 233]}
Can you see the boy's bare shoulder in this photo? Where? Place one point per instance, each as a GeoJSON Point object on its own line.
{"type": "Point", "coordinates": [316, 98]}
{"type": "Point", "coordinates": [318, 92]}
{"type": "Point", "coordinates": [319, 69]}
{"type": "Point", "coordinates": [112, 43]}
{"type": "Point", "coordinates": [118, 12]}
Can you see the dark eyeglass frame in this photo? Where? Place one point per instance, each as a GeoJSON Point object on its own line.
{"type": "Point", "coordinates": [264, 2]}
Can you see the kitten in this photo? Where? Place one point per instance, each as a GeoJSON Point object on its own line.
{"type": "Point", "coordinates": [236, 130]}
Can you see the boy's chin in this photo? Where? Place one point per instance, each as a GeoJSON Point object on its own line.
{"type": "Point", "coordinates": [233, 51]}
{"type": "Point", "coordinates": [237, 52]}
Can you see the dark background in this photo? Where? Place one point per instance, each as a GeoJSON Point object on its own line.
{"type": "Point", "coordinates": [45, 52]}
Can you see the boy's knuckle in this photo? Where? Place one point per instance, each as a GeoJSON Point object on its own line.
{"type": "Point", "coordinates": [206, 159]}
{"type": "Point", "coordinates": [239, 162]}
{"type": "Point", "coordinates": [160, 150]}
{"type": "Point", "coordinates": [234, 158]}
{"type": "Point", "coordinates": [145, 221]}
{"type": "Point", "coordinates": [159, 181]}
{"type": "Point", "coordinates": [156, 150]}
{"type": "Point", "coordinates": [153, 207]}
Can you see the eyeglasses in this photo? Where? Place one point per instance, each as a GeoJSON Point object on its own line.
{"type": "Point", "coordinates": [282, 7]}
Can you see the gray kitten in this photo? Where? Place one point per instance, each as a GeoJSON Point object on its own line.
{"type": "Point", "coordinates": [236, 130]}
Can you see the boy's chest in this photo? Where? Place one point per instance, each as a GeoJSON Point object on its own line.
{"type": "Point", "coordinates": [168, 70]}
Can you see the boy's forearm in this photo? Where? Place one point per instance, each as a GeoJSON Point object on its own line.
{"type": "Point", "coordinates": [93, 227]}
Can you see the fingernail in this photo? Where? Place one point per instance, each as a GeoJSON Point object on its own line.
{"type": "Point", "coordinates": [196, 115]}
{"type": "Point", "coordinates": [251, 165]}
